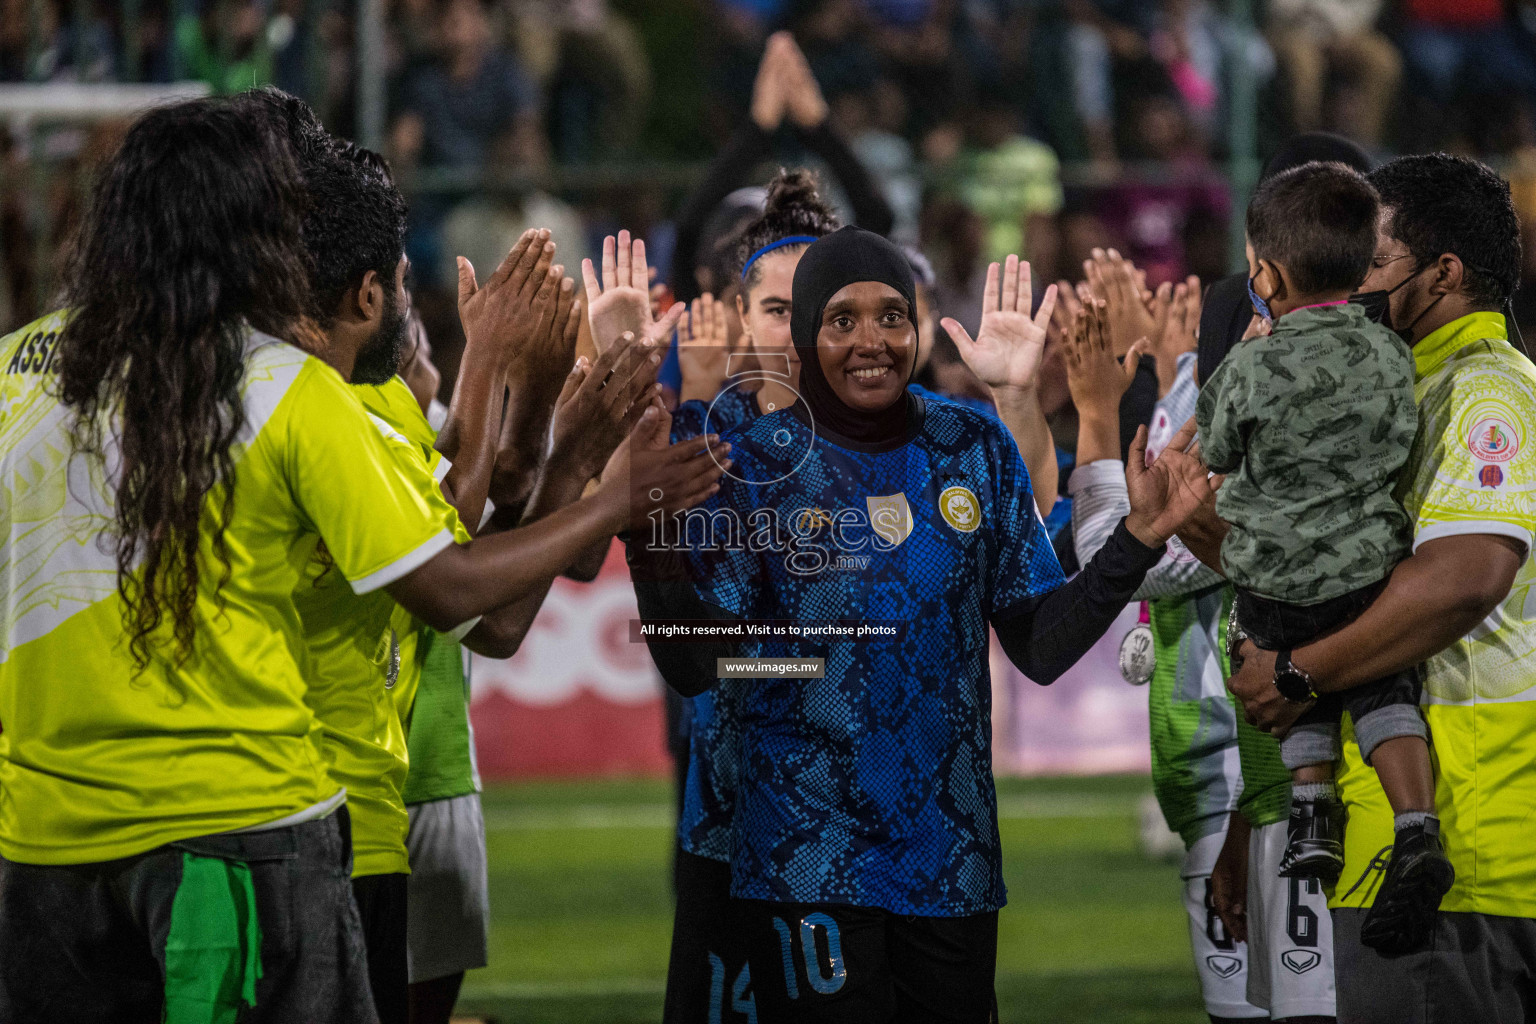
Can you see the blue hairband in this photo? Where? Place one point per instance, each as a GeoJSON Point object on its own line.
{"type": "Point", "coordinates": [781, 243]}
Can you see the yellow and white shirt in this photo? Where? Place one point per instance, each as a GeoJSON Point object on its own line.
{"type": "Point", "coordinates": [99, 762]}
{"type": "Point", "coordinates": [362, 649]}
{"type": "Point", "coordinates": [394, 406]}
{"type": "Point", "coordinates": [1472, 471]}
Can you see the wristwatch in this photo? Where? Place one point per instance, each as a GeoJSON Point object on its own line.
{"type": "Point", "coordinates": [1293, 682]}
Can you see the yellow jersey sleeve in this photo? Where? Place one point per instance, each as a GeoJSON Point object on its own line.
{"type": "Point", "coordinates": [1479, 471]}
{"type": "Point", "coordinates": [377, 523]}
{"type": "Point", "coordinates": [393, 408]}
{"type": "Point", "coordinates": [425, 474]}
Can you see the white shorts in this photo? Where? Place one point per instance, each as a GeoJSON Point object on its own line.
{"type": "Point", "coordinates": [1290, 935]}
{"type": "Point", "coordinates": [448, 909]}
{"type": "Point", "coordinates": [1220, 960]}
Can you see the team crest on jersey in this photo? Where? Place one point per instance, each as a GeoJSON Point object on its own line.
{"type": "Point", "coordinates": [1490, 476]}
{"type": "Point", "coordinates": [890, 517]}
{"type": "Point", "coordinates": [1493, 439]}
{"type": "Point", "coordinates": [1300, 961]}
{"type": "Point", "coordinates": [1223, 966]}
{"type": "Point", "coordinates": [960, 509]}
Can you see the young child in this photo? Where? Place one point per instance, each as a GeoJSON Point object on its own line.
{"type": "Point", "coordinates": [1312, 423]}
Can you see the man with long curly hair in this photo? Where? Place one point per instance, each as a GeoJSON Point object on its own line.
{"type": "Point", "coordinates": [172, 846]}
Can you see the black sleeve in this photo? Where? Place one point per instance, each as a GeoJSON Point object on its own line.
{"type": "Point", "coordinates": [1137, 405]}
{"type": "Point", "coordinates": [747, 146]}
{"type": "Point", "coordinates": [663, 592]}
{"type": "Point", "coordinates": [870, 209]}
{"type": "Point", "coordinates": [1224, 318]}
{"type": "Point", "coordinates": [1048, 634]}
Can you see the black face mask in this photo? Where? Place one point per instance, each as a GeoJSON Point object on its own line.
{"type": "Point", "coordinates": [1378, 307]}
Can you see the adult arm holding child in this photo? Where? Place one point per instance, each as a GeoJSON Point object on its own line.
{"type": "Point", "coordinates": [1435, 597]}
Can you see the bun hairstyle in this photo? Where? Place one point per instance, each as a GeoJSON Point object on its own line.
{"type": "Point", "coordinates": [794, 208]}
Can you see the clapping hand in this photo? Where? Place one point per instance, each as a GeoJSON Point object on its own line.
{"type": "Point", "coordinates": [703, 349]}
{"type": "Point", "coordinates": [1095, 377]}
{"type": "Point", "coordinates": [802, 95]}
{"type": "Point", "coordinates": [602, 401]}
{"type": "Point", "coordinates": [785, 85]}
{"type": "Point", "coordinates": [647, 475]}
{"type": "Point", "coordinates": [1066, 310]}
{"type": "Point", "coordinates": [505, 312]}
{"type": "Point", "coordinates": [1176, 311]}
{"type": "Point", "coordinates": [1169, 491]}
{"type": "Point", "coordinates": [1113, 279]}
{"type": "Point", "coordinates": [1007, 349]}
{"type": "Point", "coordinates": [622, 302]}
{"type": "Point", "coordinates": [767, 106]}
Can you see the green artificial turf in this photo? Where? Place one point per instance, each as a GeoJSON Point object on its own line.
{"type": "Point", "coordinates": [581, 911]}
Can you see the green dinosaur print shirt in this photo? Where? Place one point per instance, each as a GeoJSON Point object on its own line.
{"type": "Point", "coordinates": [1312, 424]}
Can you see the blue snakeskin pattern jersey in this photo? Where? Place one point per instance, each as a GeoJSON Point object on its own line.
{"type": "Point", "coordinates": [981, 406]}
{"type": "Point", "coordinates": [714, 744]}
{"type": "Point", "coordinates": [730, 409]}
{"type": "Point", "coordinates": [873, 785]}
{"type": "Point", "coordinates": [714, 739]}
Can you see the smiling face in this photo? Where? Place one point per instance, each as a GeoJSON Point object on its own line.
{"type": "Point", "coordinates": [866, 345]}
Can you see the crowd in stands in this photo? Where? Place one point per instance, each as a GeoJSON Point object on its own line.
{"type": "Point", "coordinates": [1047, 127]}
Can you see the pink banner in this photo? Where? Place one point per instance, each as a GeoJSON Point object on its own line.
{"type": "Point", "coordinates": [580, 699]}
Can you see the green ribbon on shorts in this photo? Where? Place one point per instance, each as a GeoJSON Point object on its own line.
{"type": "Point", "coordinates": [213, 950]}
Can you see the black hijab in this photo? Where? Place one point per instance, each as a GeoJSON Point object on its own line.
{"type": "Point", "coordinates": [828, 265]}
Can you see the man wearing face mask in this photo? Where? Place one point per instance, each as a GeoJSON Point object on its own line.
{"type": "Point", "coordinates": [1446, 263]}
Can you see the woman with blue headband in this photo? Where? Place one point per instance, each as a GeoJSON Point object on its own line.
{"type": "Point", "coordinates": [708, 960]}
{"type": "Point", "coordinates": [877, 536]}
{"type": "Point", "coordinates": [767, 253]}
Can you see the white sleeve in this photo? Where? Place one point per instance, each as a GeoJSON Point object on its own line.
{"type": "Point", "coordinates": [1099, 502]}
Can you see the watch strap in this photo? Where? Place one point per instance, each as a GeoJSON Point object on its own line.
{"type": "Point", "coordinates": [1302, 691]}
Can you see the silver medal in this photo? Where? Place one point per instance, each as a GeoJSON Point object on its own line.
{"type": "Point", "coordinates": [1137, 658]}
